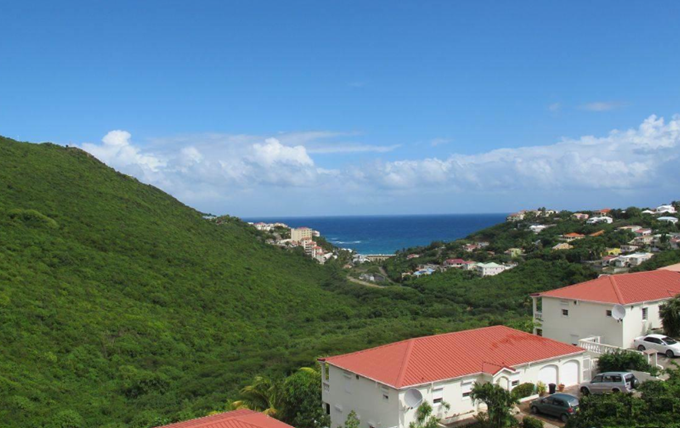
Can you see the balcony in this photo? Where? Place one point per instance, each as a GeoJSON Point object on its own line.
{"type": "Point", "coordinates": [538, 316]}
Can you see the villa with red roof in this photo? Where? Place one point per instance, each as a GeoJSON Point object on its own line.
{"type": "Point", "coordinates": [590, 308]}
{"type": "Point", "coordinates": [377, 383]}
{"type": "Point", "coordinates": [235, 419]}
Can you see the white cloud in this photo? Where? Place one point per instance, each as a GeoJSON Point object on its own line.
{"type": "Point", "coordinates": [602, 105]}
{"type": "Point", "coordinates": [621, 160]}
{"type": "Point", "coordinates": [268, 171]}
{"type": "Point", "coordinates": [554, 107]}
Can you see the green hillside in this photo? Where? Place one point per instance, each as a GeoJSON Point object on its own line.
{"type": "Point", "coordinates": [118, 303]}
{"type": "Point", "coordinates": [120, 306]}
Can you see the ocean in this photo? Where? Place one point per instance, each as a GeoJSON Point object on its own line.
{"type": "Point", "coordinates": [387, 234]}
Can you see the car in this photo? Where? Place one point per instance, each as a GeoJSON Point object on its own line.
{"type": "Point", "coordinates": [560, 405]}
{"type": "Point", "coordinates": [610, 382]}
{"type": "Point", "coordinates": [660, 343]}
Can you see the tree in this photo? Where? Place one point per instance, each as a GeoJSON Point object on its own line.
{"type": "Point", "coordinates": [264, 395]}
{"type": "Point", "coordinates": [670, 317]}
{"type": "Point", "coordinates": [499, 402]}
{"type": "Point", "coordinates": [301, 400]}
{"type": "Point", "coordinates": [425, 418]}
{"type": "Point", "coordinates": [352, 420]}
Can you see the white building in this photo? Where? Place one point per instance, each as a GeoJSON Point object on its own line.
{"type": "Point", "coordinates": [665, 209]}
{"type": "Point", "coordinates": [442, 368]}
{"type": "Point", "coordinates": [603, 219]}
{"type": "Point", "coordinates": [489, 269]}
{"type": "Point", "coordinates": [300, 233]}
{"type": "Point", "coordinates": [631, 260]}
{"type": "Point", "coordinates": [586, 309]}
{"type": "Point", "coordinates": [668, 219]}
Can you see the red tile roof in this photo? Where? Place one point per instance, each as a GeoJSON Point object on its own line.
{"type": "Point", "coordinates": [235, 419]}
{"type": "Point", "coordinates": [451, 355]}
{"type": "Point", "coordinates": [573, 234]}
{"type": "Point", "coordinates": [623, 289]}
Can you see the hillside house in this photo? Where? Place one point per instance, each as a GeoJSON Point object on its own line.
{"type": "Point", "coordinates": [441, 368]}
{"type": "Point", "coordinates": [514, 252]}
{"type": "Point", "coordinates": [580, 216]}
{"type": "Point", "coordinates": [601, 219]}
{"type": "Point", "coordinates": [627, 248]}
{"type": "Point", "coordinates": [631, 260]}
{"type": "Point", "coordinates": [569, 237]}
{"type": "Point", "coordinates": [668, 219]}
{"type": "Point", "coordinates": [582, 310]}
{"type": "Point", "coordinates": [563, 246]}
{"type": "Point", "coordinates": [489, 269]}
{"type": "Point", "coordinates": [236, 419]}
{"type": "Point", "coordinates": [666, 209]}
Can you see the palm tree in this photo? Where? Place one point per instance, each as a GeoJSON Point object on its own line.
{"type": "Point", "coordinates": [670, 317]}
{"type": "Point", "coordinates": [263, 395]}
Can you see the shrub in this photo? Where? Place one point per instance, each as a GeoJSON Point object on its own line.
{"type": "Point", "coordinates": [531, 422]}
{"type": "Point", "coordinates": [621, 360]}
{"type": "Point", "coordinates": [32, 218]}
{"type": "Point", "coordinates": [523, 390]}
{"type": "Point", "coordinates": [541, 389]}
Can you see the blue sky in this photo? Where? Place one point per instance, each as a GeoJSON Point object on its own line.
{"type": "Point", "coordinates": [352, 107]}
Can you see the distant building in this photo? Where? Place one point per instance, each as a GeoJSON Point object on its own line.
{"type": "Point", "coordinates": [602, 219]}
{"type": "Point", "coordinates": [568, 237]}
{"type": "Point", "coordinates": [300, 233]}
{"type": "Point", "coordinates": [665, 209]}
{"type": "Point", "coordinates": [580, 216]}
{"type": "Point", "coordinates": [489, 269]}
{"type": "Point", "coordinates": [563, 246]}
{"type": "Point", "coordinates": [514, 252]}
{"type": "Point", "coordinates": [668, 219]}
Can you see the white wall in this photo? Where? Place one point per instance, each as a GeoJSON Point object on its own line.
{"type": "Point", "coordinates": [366, 398]}
{"type": "Point", "coordinates": [590, 319]}
{"type": "Point", "coordinates": [585, 319]}
{"type": "Point", "coordinates": [634, 325]}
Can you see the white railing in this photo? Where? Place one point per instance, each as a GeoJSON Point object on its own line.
{"type": "Point", "coordinates": [538, 316]}
{"type": "Point", "coordinates": [593, 345]}
{"type": "Point", "coordinates": [600, 348]}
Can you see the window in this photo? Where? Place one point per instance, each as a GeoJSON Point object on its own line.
{"type": "Point", "coordinates": [515, 383]}
{"type": "Point", "coordinates": [466, 387]}
{"type": "Point", "coordinates": [438, 395]}
{"type": "Point", "coordinates": [652, 340]}
{"type": "Point", "coordinates": [565, 312]}
{"type": "Point", "coordinates": [609, 313]}
{"type": "Point", "coordinates": [539, 332]}
{"type": "Point", "coordinates": [385, 393]}
{"type": "Point", "coordinates": [597, 379]}
{"type": "Point", "coordinates": [327, 407]}
{"type": "Point", "coordinates": [644, 313]}
{"type": "Point", "coordinates": [326, 371]}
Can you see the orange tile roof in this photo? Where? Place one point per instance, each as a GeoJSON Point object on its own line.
{"type": "Point", "coordinates": [623, 289]}
{"type": "Point", "coordinates": [573, 234]}
{"type": "Point", "coordinates": [235, 419]}
{"type": "Point", "coordinates": [598, 233]}
{"type": "Point", "coordinates": [451, 355]}
{"type": "Point", "coordinates": [674, 268]}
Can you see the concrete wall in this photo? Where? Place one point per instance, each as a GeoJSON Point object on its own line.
{"type": "Point", "coordinates": [590, 319]}
{"type": "Point", "coordinates": [584, 319]}
{"type": "Point", "coordinates": [366, 396]}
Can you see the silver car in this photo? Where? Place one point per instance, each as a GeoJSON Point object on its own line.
{"type": "Point", "coordinates": [660, 343]}
{"type": "Point", "coordinates": [610, 382]}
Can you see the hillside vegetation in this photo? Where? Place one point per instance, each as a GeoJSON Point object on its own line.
{"type": "Point", "coordinates": [120, 306]}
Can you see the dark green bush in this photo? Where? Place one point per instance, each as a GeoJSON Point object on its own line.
{"type": "Point", "coordinates": [621, 360]}
{"type": "Point", "coordinates": [531, 422]}
{"type": "Point", "coordinates": [524, 390]}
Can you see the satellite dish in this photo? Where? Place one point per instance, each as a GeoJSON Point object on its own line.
{"type": "Point", "coordinates": [413, 398]}
{"type": "Point", "coordinates": [618, 312]}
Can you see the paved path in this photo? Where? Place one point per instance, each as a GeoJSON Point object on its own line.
{"type": "Point", "coordinates": [364, 283]}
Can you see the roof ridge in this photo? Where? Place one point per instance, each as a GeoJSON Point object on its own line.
{"type": "Point", "coordinates": [615, 286]}
{"type": "Point", "coordinates": [404, 364]}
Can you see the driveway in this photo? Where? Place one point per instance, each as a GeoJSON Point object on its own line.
{"type": "Point", "coordinates": [548, 421]}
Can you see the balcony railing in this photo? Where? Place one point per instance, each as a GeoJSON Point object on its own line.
{"type": "Point", "coordinates": [538, 316]}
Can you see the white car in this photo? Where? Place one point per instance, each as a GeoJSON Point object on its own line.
{"type": "Point", "coordinates": [660, 343]}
